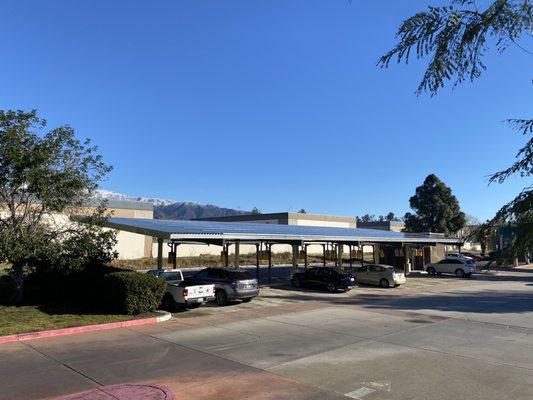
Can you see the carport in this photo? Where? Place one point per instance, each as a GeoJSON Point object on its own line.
{"type": "Point", "coordinates": [264, 236]}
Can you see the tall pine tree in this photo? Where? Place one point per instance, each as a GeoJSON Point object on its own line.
{"type": "Point", "coordinates": [436, 209]}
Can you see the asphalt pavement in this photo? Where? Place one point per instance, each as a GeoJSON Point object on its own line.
{"type": "Point", "coordinates": [434, 338]}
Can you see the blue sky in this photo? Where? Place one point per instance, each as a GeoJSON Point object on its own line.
{"type": "Point", "coordinates": [273, 104]}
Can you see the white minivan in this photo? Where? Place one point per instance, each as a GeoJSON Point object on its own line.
{"type": "Point", "coordinates": [461, 267]}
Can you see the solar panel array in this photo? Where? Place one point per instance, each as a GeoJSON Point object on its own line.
{"type": "Point", "coordinates": [248, 230]}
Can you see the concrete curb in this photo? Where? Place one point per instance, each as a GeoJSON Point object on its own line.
{"type": "Point", "coordinates": [21, 337]}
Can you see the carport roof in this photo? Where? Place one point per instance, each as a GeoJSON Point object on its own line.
{"type": "Point", "coordinates": [221, 232]}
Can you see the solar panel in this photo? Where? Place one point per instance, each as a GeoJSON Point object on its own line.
{"type": "Point", "coordinates": [179, 229]}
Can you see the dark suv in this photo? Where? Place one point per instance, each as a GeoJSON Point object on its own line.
{"type": "Point", "coordinates": [230, 284]}
{"type": "Point", "coordinates": [329, 278]}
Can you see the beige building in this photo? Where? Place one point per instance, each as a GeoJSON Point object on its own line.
{"type": "Point", "coordinates": [393, 226]}
{"type": "Point", "coordinates": [290, 218]}
{"type": "Point", "coordinates": [131, 245]}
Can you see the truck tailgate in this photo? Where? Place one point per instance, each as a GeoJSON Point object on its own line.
{"type": "Point", "coordinates": [198, 291]}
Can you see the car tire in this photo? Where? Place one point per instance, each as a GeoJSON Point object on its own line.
{"type": "Point", "coordinates": [431, 271]}
{"type": "Point", "coordinates": [460, 273]}
{"type": "Point", "coordinates": [247, 300]}
{"type": "Point", "coordinates": [221, 297]}
{"type": "Point", "coordinates": [331, 287]}
{"type": "Point", "coordinates": [296, 282]}
{"type": "Point", "coordinates": [384, 283]}
{"type": "Point", "coordinates": [168, 302]}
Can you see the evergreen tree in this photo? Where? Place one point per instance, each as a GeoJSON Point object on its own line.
{"type": "Point", "coordinates": [455, 39]}
{"type": "Point", "coordinates": [436, 209]}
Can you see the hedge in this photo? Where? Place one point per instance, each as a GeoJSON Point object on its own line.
{"type": "Point", "coordinates": [131, 292]}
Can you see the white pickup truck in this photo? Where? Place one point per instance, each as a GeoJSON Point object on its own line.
{"type": "Point", "coordinates": [180, 293]}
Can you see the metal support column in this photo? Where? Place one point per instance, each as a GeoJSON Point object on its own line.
{"type": "Point", "coordinates": [237, 254]}
{"type": "Point", "coordinates": [351, 261]}
{"type": "Point", "coordinates": [175, 260]}
{"type": "Point", "coordinates": [324, 254]}
{"type": "Point", "coordinates": [269, 263]}
{"type": "Point", "coordinates": [375, 249]}
{"type": "Point", "coordinates": [257, 261]}
{"type": "Point", "coordinates": [295, 250]}
{"type": "Point", "coordinates": [226, 256]}
{"type": "Point", "coordinates": [407, 267]}
{"type": "Point", "coordinates": [305, 255]}
{"type": "Point", "coordinates": [159, 253]}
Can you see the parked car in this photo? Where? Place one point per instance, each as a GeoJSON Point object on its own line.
{"type": "Point", "coordinates": [181, 293]}
{"type": "Point", "coordinates": [329, 278]}
{"type": "Point", "coordinates": [477, 257]}
{"type": "Point", "coordinates": [461, 267]}
{"type": "Point", "coordinates": [380, 274]}
{"type": "Point", "coordinates": [230, 284]}
{"type": "Point", "coordinates": [460, 256]}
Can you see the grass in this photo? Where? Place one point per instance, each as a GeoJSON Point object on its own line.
{"type": "Point", "coordinates": [22, 319]}
{"type": "Point", "coordinates": [210, 260]}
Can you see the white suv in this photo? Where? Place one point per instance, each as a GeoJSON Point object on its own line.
{"type": "Point", "coordinates": [461, 267]}
{"type": "Point", "coordinates": [458, 255]}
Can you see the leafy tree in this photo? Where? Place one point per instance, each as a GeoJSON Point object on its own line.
{"type": "Point", "coordinates": [255, 211]}
{"type": "Point", "coordinates": [302, 211]}
{"type": "Point", "coordinates": [43, 177]}
{"type": "Point", "coordinates": [380, 218]}
{"type": "Point", "coordinates": [455, 39]}
{"type": "Point", "coordinates": [391, 217]}
{"type": "Point", "coordinates": [436, 209]}
{"type": "Point", "coordinates": [367, 218]}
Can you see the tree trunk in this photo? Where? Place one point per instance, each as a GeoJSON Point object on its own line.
{"type": "Point", "coordinates": [18, 276]}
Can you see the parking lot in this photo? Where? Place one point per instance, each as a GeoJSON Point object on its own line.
{"type": "Point", "coordinates": [435, 337]}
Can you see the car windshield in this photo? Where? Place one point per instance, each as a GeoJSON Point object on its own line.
{"type": "Point", "coordinates": [172, 276]}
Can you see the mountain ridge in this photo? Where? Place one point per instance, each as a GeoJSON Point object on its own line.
{"type": "Point", "coordinates": [173, 209]}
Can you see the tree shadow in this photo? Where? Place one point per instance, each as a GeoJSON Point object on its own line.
{"type": "Point", "coordinates": [482, 302]}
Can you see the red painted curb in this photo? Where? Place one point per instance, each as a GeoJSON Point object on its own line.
{"type": "Point", "coordinates": [78, 329]}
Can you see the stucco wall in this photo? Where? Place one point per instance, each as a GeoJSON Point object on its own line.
{"type": "Point", "coordinates": [132, 245]}
{"type": "Point", "coordinates": [310, 222]}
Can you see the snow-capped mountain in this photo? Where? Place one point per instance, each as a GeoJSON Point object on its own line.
{"type": "Point", "coordinates": [172, 209]}
{"type": "Point", "coordinates": [109, 194]}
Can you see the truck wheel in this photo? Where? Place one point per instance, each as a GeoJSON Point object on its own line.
{"type": "Point", "coordinates": [168, 302]}
{"type": "Point", "coordinates": [459, 273]}
{"type": "Point", "coordinates": [221, 297]}
{"type": "Point", "coordinates": [384, 283]}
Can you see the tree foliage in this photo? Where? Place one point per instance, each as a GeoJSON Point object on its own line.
{"type": "Point", "coordinates": [436, 209]}
{"type": "Point", "coordinates": [42, 178]}
{"type": "Point", "coordinates": [380, 218]}
{"type": "Point", "coordinates": [455, 38]}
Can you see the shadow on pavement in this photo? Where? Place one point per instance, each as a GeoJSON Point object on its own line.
{"type": "Point", "coordinates": [490, 301]}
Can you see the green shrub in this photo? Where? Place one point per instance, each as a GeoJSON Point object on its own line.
{"type": "Point", "coordinates": [133, 292]}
